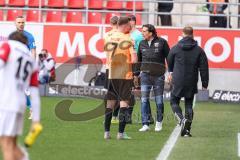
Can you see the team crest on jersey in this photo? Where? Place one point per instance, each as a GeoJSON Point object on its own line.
{"type": "Point", "coordinates": [156, 44]}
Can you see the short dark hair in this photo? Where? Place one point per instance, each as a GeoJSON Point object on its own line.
{"type": "Point", "coordinates": [132, 18]}
{"type": "Point", "coordinates": [123, 20]}
{"type": "Point", "coordinates": [151, 29]}
{"type": "Point", "coordinates": [18, 36]}
{"type": "Point", "coordinates": [114, 20]}
{"type": "Point", "coordinates": [188, 31]}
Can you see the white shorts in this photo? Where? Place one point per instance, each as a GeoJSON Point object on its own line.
{"type": "Point", "coordinates": [11, 123]}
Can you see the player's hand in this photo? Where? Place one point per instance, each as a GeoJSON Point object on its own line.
{"type": "Point", "coordinates": [169, 78]}
{"type": "Point", "coordinates": [136, 82]}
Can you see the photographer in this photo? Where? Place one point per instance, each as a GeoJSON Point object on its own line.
{"type": "Point", "coordinates": [46, 67]}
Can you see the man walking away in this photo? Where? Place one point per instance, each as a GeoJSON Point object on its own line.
{"type": "Point", "coordinates": [185, 60]}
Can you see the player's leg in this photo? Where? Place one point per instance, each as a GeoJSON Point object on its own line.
{"type": "Point", "coordinates": [132, 102]}
{"type": "Point", "coordinates": [158, 88]}
{"type": "Point", "coordinates": [145, 104]}
{"type": "Point", "coordinates": [174, 101]}
{"type": "Point", "coordinates": [110, 104]}
{"type": "Point", "coordinates": [28, 103]}
{"type": "Point", "coordinates": [21, 153]}
{"type": "Point", "coordinates": [188, 115]}
{"type": "Point", "coordinates": [124, 92]}
{"type": "Point", "coordinates": [8, 147]}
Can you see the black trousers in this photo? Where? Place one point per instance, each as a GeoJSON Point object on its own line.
{"type": "Point", "coordinates": [175, 104]}
{"type": "Point", "coordinates": [166, 20]}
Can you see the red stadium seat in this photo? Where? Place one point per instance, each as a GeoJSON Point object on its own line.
{"type": "Point", "coordinates": [56, 3]}
{"type": "Point", "coordinates": [12, 14]}
{"type": "Point", "coordinates": [138, 6]}
{"type": "Point", "coordinates": [138, 18]}
{"type": "Point", "coordinates": [115, 4]}
{"type": "Point", "coordinates": [1, 15]}
{"type": "Point", "coordinates": [94, 18]}
{"type": "Point", "coordinates": [93, 4]}
{"type": "Point", "coordinates": [75, 4]}
{"type": "Point", "coordinates": [54, 16]}
{"type": "Point", "coordinates": [18, 3]}
{"type": "Point", "coordinates": [74, 17]}
{"type": "Point", "coordinates": [35, 3]}
{"type": "Point", "coordinates": [109, 16]}
{"type": "Point", "coordinates": [33, 16]}
{"type": "Point", "coordinates": [2, 3]}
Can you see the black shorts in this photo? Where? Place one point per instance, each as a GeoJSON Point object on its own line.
{"type": "Point", "coordinates": [106, 79]}
{"type": "Point", "coordinates": [119, 89]}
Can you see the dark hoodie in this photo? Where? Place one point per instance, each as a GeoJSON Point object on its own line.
{"type": "Point", "coordinates": [185, 60]}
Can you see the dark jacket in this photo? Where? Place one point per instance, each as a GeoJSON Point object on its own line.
{"type": "Point", "coordinates": [185, 60]}
{"type": "Point", "coordinates": [164, 6]}
{"type": "Point", "coordinates": [151, 59]}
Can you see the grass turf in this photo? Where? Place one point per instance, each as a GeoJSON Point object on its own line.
{"type": "Point", "coordinates": [62, 140]}
{"type": "Point", "coordinates": [214, 132]}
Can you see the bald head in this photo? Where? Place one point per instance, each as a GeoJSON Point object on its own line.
{"type": "Point", "coordinates": [20, 23]}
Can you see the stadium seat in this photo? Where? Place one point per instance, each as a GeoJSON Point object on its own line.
{"type": "Point", "coordinates": [12, 14]}
{"type": "Point", "coordinates": [75, 4]}
{"type": "Point", "coordinates": [94, 18]}
{"type": "Point", "coordinates": [109, 16]}
{"type": "Point", "coordinates": [56, 3]}
{"type": "Point", "coordinates": [35, 3]}
{"type": "Point", "coordinates": [138, 6]}
{"type": "Point", "coordinates": [18, 3]}
{"type": "Point", "coordinates": [115, 4]}
{"type": "Point", "coordinates": [1, 15]}
{"type": "Point", "coordinates": [2, 3]}
{"type": "Point", "coordinates": [54, 16]}
{"type": "Point", "coordinates": [74, 17]}
{"type": "Point", "coordinates": [33, 15]}
{"type": "Point", "coordinates": [138, 18]}
{"type": "Point", "coordinates": [93, 4]}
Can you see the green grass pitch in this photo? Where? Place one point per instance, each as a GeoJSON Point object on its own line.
{"type": "Point", "coordinates": [214, 130]}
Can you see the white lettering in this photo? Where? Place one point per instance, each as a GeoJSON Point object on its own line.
{"type": "Point", "coordinates": [92, 46]}
{"type": "Point", "coordinates": [78, 42]}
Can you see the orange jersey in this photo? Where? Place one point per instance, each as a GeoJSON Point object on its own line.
{"type": "Point", "coordinates": [106, 37]}
{"type": "Point", "coordinates": [119, 46]}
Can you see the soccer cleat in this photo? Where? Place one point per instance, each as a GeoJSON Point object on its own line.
{"type": "Point", "coordinates": [107, 135]}
{"type": "Point", "coordinates": [144, 128]}
{"type": "Point", "coordinates": [158, 126]}
{"type": "Point", "coordinates": [114, 120]}
{"type": "Point", "coordinates": [123, 136]}
{"type": "Point", "coordinates": [33, 134]}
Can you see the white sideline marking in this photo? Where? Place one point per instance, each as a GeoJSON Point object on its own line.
{"type": "Point", "coordinates": [167, 148]}
{"type": "Point", "coordinates": [238, 144]}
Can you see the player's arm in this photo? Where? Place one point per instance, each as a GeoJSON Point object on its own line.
{"type": "Point", "coordinates": [4, 53]}
{"type": "Point", "coordinates": [34, 53]}
{"type": "Point", "coordinates": [33, 47]}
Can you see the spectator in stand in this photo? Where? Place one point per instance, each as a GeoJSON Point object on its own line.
{"type": "Point", "coordinates": [166, 19]}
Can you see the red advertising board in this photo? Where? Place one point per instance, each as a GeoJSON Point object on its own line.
{"type": "Point", "coordinates": [65, 42]}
